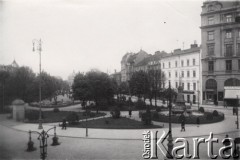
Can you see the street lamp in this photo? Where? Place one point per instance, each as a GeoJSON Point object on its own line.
{"type": "Point", "coordinates": [38, 46]}
{"type": "Point", "coordinates": [170, 138]}
{"type": "Point", "coordinates": [198, 94]}
{"type": "Point", "coordinates": [43, 136]}
{"type": "Point", "coordinates": [237, 122]}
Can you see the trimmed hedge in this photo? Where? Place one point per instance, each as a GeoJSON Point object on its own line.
{"type": "Point", "coordinates": [205, 119]}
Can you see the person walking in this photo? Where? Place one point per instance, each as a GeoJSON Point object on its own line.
{"type": "Point", "coordinates": [183, 126]}
{"type": "Point", "coordinates": [64, 124]}
{"type": "Point", "coordinates": [198, 121]}
{"type": "Point", "coordinates": [130, 112]}
{"type": "Point", "coordinates": [226, 142]}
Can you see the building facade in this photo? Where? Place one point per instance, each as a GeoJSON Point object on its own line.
{"type": "Point", "coordinates": [220, 34]}
{"type": "Point", "coordinates": [181, 68]}
{"type": "Point", "coordinates": [128, 62]}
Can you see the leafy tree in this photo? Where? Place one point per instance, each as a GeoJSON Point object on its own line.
{"type": "Point", "coordinates": [24, 84]}
{"type": "Point", "coordinates": [94, 85]}
{"type": "Point", "coordinates": [156, 79]}
{"type": "Point", "coordinates": [123, 88]}
{"type": "Point", "coordinates": [3, 77]}
{"type": "Point", "coordinates": [139, 84]}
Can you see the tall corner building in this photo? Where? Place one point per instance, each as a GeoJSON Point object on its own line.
{"type": "Point", "coordinates": [220, 32]}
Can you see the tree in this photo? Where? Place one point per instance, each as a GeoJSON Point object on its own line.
{"type": "Point", "coordinates": [3, 77]}
{"type": "Point", "coordinates": [139, 84]}
{"type": "Point", "coordinates": [156, 78]}
{"type": "Point", "coordinates": [94, 85]}
{"type": "Point", "coordinates": [81, 88]}
{"type": "Point", "coordinates": [122, 89]}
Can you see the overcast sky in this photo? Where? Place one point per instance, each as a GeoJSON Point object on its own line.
{"type": "Point", "coordinates": [86, 34]}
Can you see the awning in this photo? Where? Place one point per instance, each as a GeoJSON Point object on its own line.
{"type": "Point", "coordinates": [232, 92]}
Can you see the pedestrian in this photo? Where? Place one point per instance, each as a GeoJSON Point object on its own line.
{"type": "Point", "coordinates": [236, 153]}
{"type": "Point", "coordinates": [130, 112]}
{"type": "Point", "coordinates": [64, 124]}
{"type": "Point", "coordinates": [198, 121]}
{"type": "Point", "coordinates": [225, 104]}
{"type": "Point", "coordinates": [233, 110]}
{"type": "Point", "coordinates": [226, 142]}
{"type": "Point", "coordinates": [183, 126]}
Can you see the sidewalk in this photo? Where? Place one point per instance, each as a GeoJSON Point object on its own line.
{"type": "Point", "coordinates": [226, 126]}
{"type": "Point", "coordinates": [223, 127]}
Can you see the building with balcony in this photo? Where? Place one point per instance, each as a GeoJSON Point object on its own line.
{"type": "Point", "coordinates": [220, 33]}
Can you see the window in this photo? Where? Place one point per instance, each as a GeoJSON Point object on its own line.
{"type": "Point", "coordinates": [160, 65]}
{"type": "Point", "coordinates": [194, 86]}
{"type": "Point", "coordinates": [194, 73]}
{"type": "Point", "coordinates": [188, 86]}
{"type": "Point", "coordinates": [176, 84]}
{"type": "Point", "coordinates": [188, 62]}
{"type": "Point", "coordinates": [169, 74]}
{"type": "Point", "coordinates": [238, 33]}
{"type": "Point", "coordinates": [210, 20]}
{"type": "Point", "coordinates": [183, 86]}
{"type": "Point", "coordinates": [188, 74]}
{"type": "Point", "coordinates": [182, 63]}
{"type": "Point", "coordinates": [175, 63]}
{"type": "Point", "coordinates": [182, 73]}
{"type": "Point", "coordinates": [238, 49]}
{"type": "Point", "coordinates": [163, 65]}
{"type": "Point", "coordinates": [228, 34]}
{"type": "Point", "coordinates": [210, 66]}
{"type": "Point", "coordinates": [210, 8]}
{"type": "Point", "coordinates": [228, 65]}
{"type": "Point", "coordinates": [210, 35]}
{"type": "Point", "coordinates": [228, 50]}
{"type": "Point", "coordinates": [239, 64]}
{"type": "Point", "coordinates": [210, 49]}
{"type": "Point", "coordinates": [169, 64]}
{"type": "Point", "coordinates": [229, 18]}
{"type": "Point", "coordinates": [176, 74]}
{"type": "Point", "coordinates": [194, 62]}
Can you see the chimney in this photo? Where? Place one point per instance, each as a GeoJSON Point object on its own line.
{"type": "Point", "coordinates": [176, 50]}
{"type": "Point", "coordinates": [194, 45]}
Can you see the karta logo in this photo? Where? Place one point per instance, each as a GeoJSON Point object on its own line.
{"type": "Point", "coordinates": [152, 144]}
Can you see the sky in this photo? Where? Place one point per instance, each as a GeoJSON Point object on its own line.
{"type": "Point", "coordinates": [80, 35]}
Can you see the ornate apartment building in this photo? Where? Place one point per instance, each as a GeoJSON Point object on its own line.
{"type": "Point", "coordinates": [220, 32]}
{"type": "Point", "coordinates": [182, 67]}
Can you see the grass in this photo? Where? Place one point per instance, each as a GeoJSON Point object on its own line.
{"type": "Point", "coordinates": [111, 123]}
{"type": "Point", "coordinates": [50, 116]}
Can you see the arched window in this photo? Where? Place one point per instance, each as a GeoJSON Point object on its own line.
{"type": "Point", "coordinates": [210, 8]}
{"type": "Point", "coordinates": [211, 84]}
{"type": "Point", "coordinates": [232, 82]}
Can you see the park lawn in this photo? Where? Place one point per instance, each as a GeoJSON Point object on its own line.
{"type": "Point", "coordinates": [51, 117]}
{"type": "Point", "coordinates": [111, 123]}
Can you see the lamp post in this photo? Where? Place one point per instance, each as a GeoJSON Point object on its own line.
{"type": "Point", "coordinates": [86, 119]}
{"type": "Point", "coordinates": [237, 122]}
{"type": "Point", "coordinates": [43, 136]}
{"type": "Point", "coordinates": [198, 94]}
{"type": "Point", "coordinates": [170, 138]}
{"type": "Point", "coordinates": [38, 46]}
